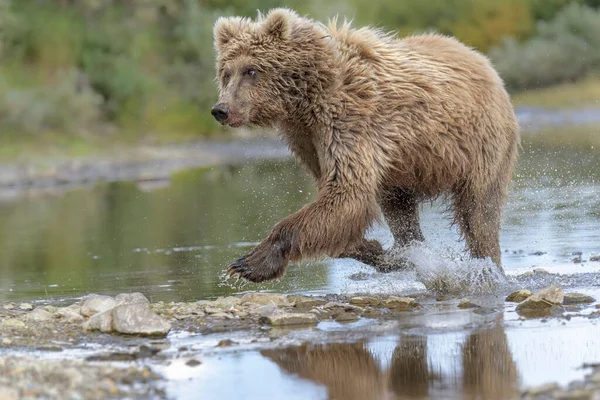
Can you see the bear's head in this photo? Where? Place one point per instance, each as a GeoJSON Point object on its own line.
{"type": "Point", "coordinates": [264, 66]}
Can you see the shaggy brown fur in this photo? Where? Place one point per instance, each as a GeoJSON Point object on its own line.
{"type": "Point", "coordinates": [381, 124]}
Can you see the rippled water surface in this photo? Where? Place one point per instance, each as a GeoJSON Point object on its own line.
{"type": "Point", "coordinates": [173, 239]}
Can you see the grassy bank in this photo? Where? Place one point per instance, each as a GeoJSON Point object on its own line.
{"type": "Point", "coordinates": [583, 93]}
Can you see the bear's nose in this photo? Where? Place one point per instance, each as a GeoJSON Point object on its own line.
{"type": "Point", "coordinates": [220, 112]}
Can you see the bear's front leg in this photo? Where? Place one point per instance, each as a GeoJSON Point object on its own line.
{"type": "Point", "coordinates": [345, 206]}
{"type": "Point", "coordinates": [331, 225]}
{"type": "Point", "coordinates": [267, 261]}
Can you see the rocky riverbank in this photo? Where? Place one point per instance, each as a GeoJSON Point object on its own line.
{"type": "Point", "coordinates": [129, 329]}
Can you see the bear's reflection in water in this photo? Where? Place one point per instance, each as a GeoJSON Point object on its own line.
{"type": "Point", "coordinates": [484, 369]}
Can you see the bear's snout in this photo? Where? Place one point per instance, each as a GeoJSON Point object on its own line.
{"type": "Point", "coordinates": [220, 112]}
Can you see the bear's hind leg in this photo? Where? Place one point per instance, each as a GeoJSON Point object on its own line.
{"type": "Point", "coordinates": [401, 211]}
{"type": "Point", "coordinates": [478, 214]}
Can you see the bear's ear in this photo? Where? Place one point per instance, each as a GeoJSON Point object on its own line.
{"type": "Point", "coordinates": [226, 28]}
{"type": "Point", "coordinates": [278, 23]}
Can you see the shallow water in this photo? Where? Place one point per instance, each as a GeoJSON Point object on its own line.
{"type": "Point", "coordinates": [172, 239]}
{"type": "Point", "coordinates": [443, 354]}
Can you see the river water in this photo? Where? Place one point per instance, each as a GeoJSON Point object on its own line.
{"type": "Point", "coordinates": [172, 240]}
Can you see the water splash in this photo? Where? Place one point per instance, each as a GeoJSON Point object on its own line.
{"type": "Point", "coordinates": [447, 271]}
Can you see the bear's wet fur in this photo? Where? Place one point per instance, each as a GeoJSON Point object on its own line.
{"type": "Point", "coordinates": [381, 123]}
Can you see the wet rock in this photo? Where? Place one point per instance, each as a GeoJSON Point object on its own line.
{"type": "Point", "coordinates": [365, 301]}
{"type": "Point", "coordinates": [519, 296]}
{"type": "Point", "coordinates": [466, 303]}
{"type": "Point", "coordinates": [334, 306]}
{"type": "Point", "coordinates": [540, 272]}
{"type": "Point", "coordinates": [39, 314]}
{"type": "Point", "coordinates": [359, 276]}
{"type": "Point", "coordinates": [13, 323]}
{"type": "Point", "coordinates": [577, 298]}
{"type": "Point", "coordinates": [344, 316]}
{"type": "Point", "coordinates": [577, 260]}
{"type": "Point", "coordinates": [205, 303]}
{"type": "Point", "coordinates": [95, 303]}
{"type": "Point", "coordinates": [131, 298]}
{"type": "Point", "coordinates": [267, 310]}
{"type": "Point", "coordinates": [287, 319]}
{"type": "Point", "coordinates": [137, 319]}
{"type": "Point", "coordinates": [305, 302]}
{"type": "Point", "coordinates": [371, 312]}
{"type": "Point", "coordinates": [226, 343]}
{"type": "Point", "coordinates": [265, 298]}
{"type": "Point", "coordinates": [222, 315]}
{"type": "Point", "coordinates": [26, 306]}
{"type": "Point", "coordinates": [212, 310]}
{"type": "Point", "coordinates": [69, 315]}
{"type": "Point", "coordinates": [537, 253]}
{"type": "Point", "coordinates": [545, 302]}
{"type": "Point", "coordinates": [595, 258]}
{"type": "Point", "coordinates": [100, 322]}
{"type": "Point", "coordinates": [227, 302]}
{"type": "Point", "coordinates": [400, 303]}
{"type": "Point", "coordinates": [553, 294]}
{"type": "Point", "coordinates": [6, 342]}
{"type": "Point", "coordinates": [9, 306]}
{"type": "Point", "coordinates": [193, 363]}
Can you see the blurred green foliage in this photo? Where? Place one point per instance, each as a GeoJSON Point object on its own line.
{"type": "Point", "coordinates": [145, 68]}
{"type": "Point", "coordinates": [565, 49]}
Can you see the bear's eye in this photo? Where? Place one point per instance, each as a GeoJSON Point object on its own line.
{"type": "Point", "coordinates": [226, 76]}
{"type": "Point", "coordinates": [251, 72]}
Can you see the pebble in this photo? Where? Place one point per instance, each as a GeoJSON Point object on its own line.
{"type": "Point", "coordinates": [212, 310]}
{"type": "Point", "coordinates": [96, 303]}
{"type": "Point", "coordinates": [265, 298]}
{"type": "Point", "coordinates": [466, 303]}
{"type": "Point", "coordinates": [6, 342]}
{"type": "Point", "coordinates": [344, 316]}
{"type": "Point", "coordinates": [226, 343]}
{"type": "Point", "coordinates": [13, 323]}
{"type": "Point", "coordinates": [26, 306]}
{"type": "Point", "coordinates": [305, 302]}
{"type": "Point", "coordinates": [222, 315]}
{"type": "Point", "coordinates": [342, 306]}
{"type": "Point", "coordinates": [227, 302]}
{"type": "Point", "coordinates": [399, 303]}
{"type": "Point", "coordinates": [286, 319]}
{"type": "Point", "coordinates": [70, 315]}
{"type": "Point", "coordinates": [193, 363]}
{"type": "Point", "coordinates": [577, 298]}
{"type": "Point", "coordinates": [365, 301]}
{"type": "Point", "coordinates": [39, 314]}
{"type": "Point", "coordinates": [519, 296]}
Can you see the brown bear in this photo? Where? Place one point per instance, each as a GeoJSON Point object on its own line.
{"type": "Point", "coordinates": [381, 123]}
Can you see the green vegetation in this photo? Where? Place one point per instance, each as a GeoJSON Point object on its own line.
{"type": "Point", "coordinates": [582, 93]}
{"type": "Point", "coordinates": [100, 71]}
{"type": "Point", "coordinates": [564, 49]}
